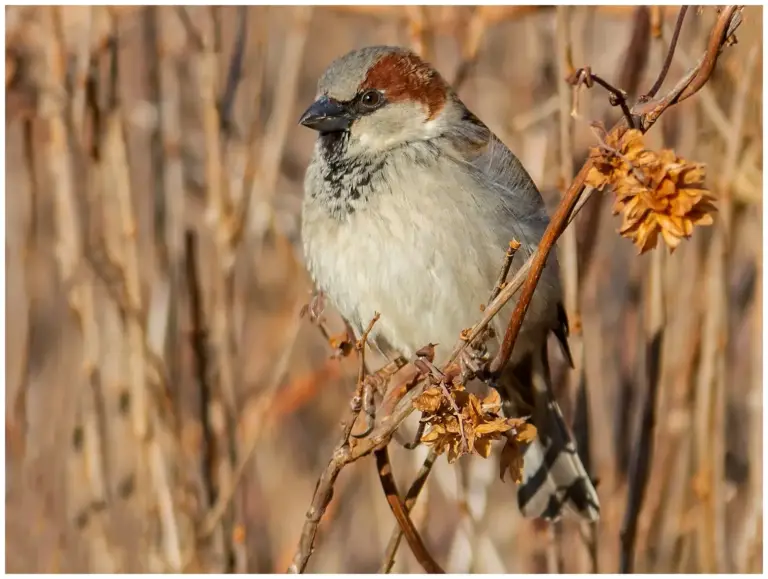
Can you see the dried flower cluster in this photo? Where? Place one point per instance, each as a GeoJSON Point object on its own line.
{"type": "Point", "coordinates": [656, 192]}
{"type": "Point", "coordinates": [466, 424]}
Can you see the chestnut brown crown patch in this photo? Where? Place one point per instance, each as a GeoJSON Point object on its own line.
{"type": "Point", "coordinates": [405, 77]}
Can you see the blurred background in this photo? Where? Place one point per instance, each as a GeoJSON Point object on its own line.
{"type": "Point", "coordinates": [167, 408]}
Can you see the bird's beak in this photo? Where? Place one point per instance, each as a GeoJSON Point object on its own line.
{"type": "Point", "coordinates": [327, 116]}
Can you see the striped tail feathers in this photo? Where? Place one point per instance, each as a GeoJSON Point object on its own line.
{"type": "Point", "coordinates": [554, 477]}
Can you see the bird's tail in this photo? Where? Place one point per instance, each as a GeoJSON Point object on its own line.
{"type": "Point", "coordinates": [554, 477]}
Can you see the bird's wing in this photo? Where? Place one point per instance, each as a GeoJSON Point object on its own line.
{"type": "Point", "coordinates": [495, 167]}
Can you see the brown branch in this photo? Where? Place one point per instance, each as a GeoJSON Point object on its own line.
{"type": "Point", "coordinates": [322, 497]}
{"type": "Point", "coordinates": [726, 25]}
{"type": "Point", "coordinates": [202, 364]}
{"type": "Point", "coordinates": [421, 478]}
{"type": "Point", "coordinates": [668, 60]}
{"type": "Point", "coordinates": [340, 458]}
{"type": "Point", "coordinates": [476, 28]}
{"type": "Point", "coordinates": [571, 267]}
{"type": "Point", "coordinates": [649, 113]}
{"type": "Point", "coordinates": [347, 451]}
{"type": "Point", "coordinates": [194, 35]}
{"type": "Point", "coordinates": [617, 97]}
{"type": "Point", "coordinates": [501, 280]}
{"type": "Point", "coordinates": [263, 418]}
{"type": "Point", "coordinates": [357, 398]}
{"type": "Point", "coordinates": [234, 73]}
{"type": "Point", "coordinates": [640, 467]}
{"type": "Point", "coordinates": [253, 139]}
{"type": "Point", "coordinates": [410, 501]}
{"type": "Point", "coordinates": [417, 437]}
{"type": "Point", "coordinates": [538, 260]}
{"type": "Point", "coordinates": [400, 511]}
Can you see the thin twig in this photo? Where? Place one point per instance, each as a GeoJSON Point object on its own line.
{"type": "Point", "coordinates": [253, 142]}
{"type": "Point", "coordinates": [410, 501]}
{"type": "Point", "coordinates": [262, 420]}
{"type": "Point", "coordinates": [79, 77]}
{"type": "Point", "coordinates": [192, 32]}
{"type": "Point", "coordinates": [473, 36]}
{"type": "Point", "coordinates": [727, 22]}
{"type": "Point", "coordinates": [322, 497]}
{"type": "Point", "coordinates": [557, 224]}
{"type": "Point", "coordinates": [145, 421]}
{"type": "Point", "coordinates": [568, 254]}
{"type": "Point", "coordinates": [501, 280]}
{"type": "Point", "coordinates": [417, 437]}
{"type": "Point", "coordinates": [617, 97]}
{"type": "Point", "coordinates": [341, 457]}
{"type": "Point", "coordinates": [639, 469]}
{"type": "Point", "coordinates": [668, 60]}
{"type": "Point", "coordinates": [69, 249]}
{"type": "Point", "coordinates": [275, 134]}
{"type": "Point", "coordinates": [357, 398]}
{"type": "Point", "coordinates": [725, 26]}
{"type": "Point", "coordinates": [707, 99]}
{"type": "Point", "coordinates": [234, 73]}
{"type": "Point", "coordinates": [710, 421]}
{"type": "Point", "coordinates": [576, 378]}
{"type": "Point", "coordinates": [400, 511]}
{"type": "Point", "coordinates": [223, 393]}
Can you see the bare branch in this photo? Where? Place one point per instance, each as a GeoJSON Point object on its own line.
{"type": "Point", "coordinates": [668, 60]}
{"type": "Point", "coordinates": [384, 468]}
{"type": "Point", "coordinates": [649, 113]}
{"type": "Point", "coordinates": [410, 501]}
{"type": "Point", "coordinates": [641, 458]}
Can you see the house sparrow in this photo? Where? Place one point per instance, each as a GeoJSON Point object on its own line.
{"type": "Point", "coordinates": [410, 204]}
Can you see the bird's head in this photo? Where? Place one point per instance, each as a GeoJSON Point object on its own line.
{"type": "Point", "coordinates": [381, 97]}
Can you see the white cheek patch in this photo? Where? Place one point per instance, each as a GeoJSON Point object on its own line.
{"type": "Point", "coordinates": [372, 142]}
{"type": "Point", "coordinates": [417, 130]}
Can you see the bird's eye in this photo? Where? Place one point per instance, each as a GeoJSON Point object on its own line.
{"type": "Point", "coordinates": [371, 99]}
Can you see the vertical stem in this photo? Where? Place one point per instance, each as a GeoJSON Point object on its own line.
{"type": "Point", "coordinates": [278, 124]}
{"type": "Point", "coordinates": [569, 263]}
{"type": "Point", "coordinates": [643, 451]}
{"type": "Point", "coordinates": [69, 254]}
{"type": "Point", "coordinates": [82, 58]}
{"type": "Point", "coordinates": [710, 396]}
{"type": "Point", "coordinates": [221, 406]}
{"type": "Point", "coordinates": [567, 245]}
{"type": "Point", "coordinates": [173, 191]}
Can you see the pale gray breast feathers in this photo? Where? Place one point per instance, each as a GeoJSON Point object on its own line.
{"type": "Point", "coordinates": [425, 246]}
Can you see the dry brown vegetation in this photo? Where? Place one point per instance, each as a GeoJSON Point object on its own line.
{"type": "Point", "coordinates": [168, 409]}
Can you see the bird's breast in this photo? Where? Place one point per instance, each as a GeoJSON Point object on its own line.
{"type": "Point", "coordinates": [418, 251]}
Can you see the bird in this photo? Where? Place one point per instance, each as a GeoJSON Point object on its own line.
{"type": "Point", "coordinates": [410, 203]}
